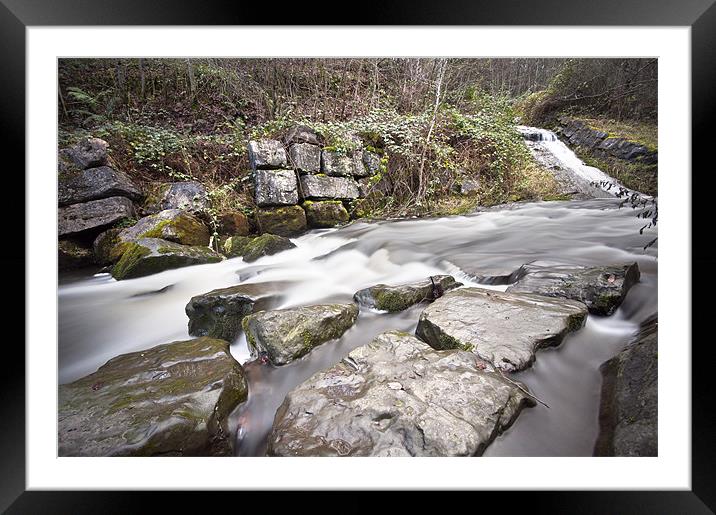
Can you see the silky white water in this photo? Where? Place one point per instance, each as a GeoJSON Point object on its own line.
{"type": "Point", "coordinates": [100, 318]}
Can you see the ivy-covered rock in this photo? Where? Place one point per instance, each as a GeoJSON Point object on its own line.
{"type": "Point", "coordinates": [305, 157]}
{"type": "Point", "coordinates": [288, 334]}
{"type": "Point", "coordinates": [506, 329]}
{"type": "Point", "coordinates": [267, 154]}
{"type": "Point", "coordinates": [320, 187]}
{"type": "Point", "coordinates": [252, 249]}
{"type": "Point", "coordinates": [401, 297]}
{"type": "Point", "coordinates": [88, 153]}
{"type": "Point", "coordinates": [601, 288]}
{"type": "Point", "coordinates": [284, 221]}
{"type": "Point", "coordinates": [93, 216]}
{"type": "Point", "coordinates": [94, 183]}
{"type": "Point", "coordinates": [235, 223]}
{"type": "Point", "coordinates": [396, 396]}
{"type": "Point", "coordinates": [148, 256]}
{"type": "Point", "coordinates": [170, 400]}
{"type": "Point", "coordinates": [275, 188]}
{"type": "Point", "coordinates": [218, 313]}
{"type": "Point", "coordinates": [327, 213]}
{"type": "Point", "coordinates": [187, 195]}
{"type": "Point", "coordinates": [72, 255]}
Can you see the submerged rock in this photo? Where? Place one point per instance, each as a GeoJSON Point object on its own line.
{"type": "Point", "coordinates": [397, 396]}
{"type": "Point", "coordinates": [148, 256]}
{"type": "Point", "coordinates": [252, 249]}
{"type": "Point", "coordinates": [88, 153]}
{"type": "Point", "coordinates": [276, 188]}
{"type": "Point", "coordinates": [93, 216]}
{"type": "Point", "coordinates": [505, 329]}
{"type": "Point", "coordinates": [72, 255]}
{"type": "Point", "coordinates": [284, 221]}
{"type": "Point", "coordinates": [305, 157]}
{"type": "Point", "coordinates": [601, 288]}
{"type": "Point", "coordinates": [317, 187]}
{"type": "Point", "coordinates": [187, 195]}
{"type": "Point", "coordinates": [288, 334]}
{"type": "Point", "coordinates": [267, 154]}
{"type": "Point", "coordinates": [94, 184]}
{"type": "Point", "coordinates": [170, 400]}
{"type": "Point", "coordinates": [401, 297]}
{"type": "Point", "coordinates": [218, 313]}
{"type": "Point", "coordinates": [628, 412]}
{"type": "Point", "coordinates": [327, 213]}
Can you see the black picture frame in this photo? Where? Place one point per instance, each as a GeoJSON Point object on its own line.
{"type": "Point", "coordinates": [700, 15]}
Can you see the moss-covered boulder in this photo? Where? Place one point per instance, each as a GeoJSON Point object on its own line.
{"type": "Point", "coordinates": [288, 334]}
{"type": "Point", "coordinates": [601, 288]}
{"type": "Point", "coordinates": [170, 400]}
{"type": "Point", "coordinates": [327, 213]}
{"type": "Point", "coordinates": [284, 221]}
{"type": "Point", "coordinates": [91, 218]}
{"type": "Point", "coordinates": [72, 255]}
{"type": "Point", "coordinates": [506, 329]}
{"type": "Point", "coordinates": [106, 247]}
{"type": "Point", "coordinates": [149, 256]}
{"type": "Point", "coordinates": [218, 313]}
{"type": "Point", "coordinates": [252, 249]}
{"type": "Point", "coordinates": [401, 297]}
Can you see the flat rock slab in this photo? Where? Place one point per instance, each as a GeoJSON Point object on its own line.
{"type": "Point", "coordinates": [218, 313]}
{"type": "Point", "coordinates": [628, 412]}
{"type": "Point", "coordinates": [317, 187]}
{"type": "Point", "coordinates": [78, 186]}
{"type": "Point", "coordinates": [170, 400]}
{"type": "Point", "coordinates": [252, 249]}
{"type": "Point", "coordinates": [93, 216]}
{"type": "Point", "coordinates": [288, 334]}
{"type": "Point", "coordinates": [505, 329]}
{"type": "Point", "coordinates": [397, 396]}
{"type": "Point", "coordinates": [148, 256]}
{"type": "Point", "coordinates": [267, 154]}
{"type": "Point", "coordinates": [275, 188]}
{"type": "Point", "coordinates": [401, 297]}
{"type": "Point", "coordinates": [601, 288]}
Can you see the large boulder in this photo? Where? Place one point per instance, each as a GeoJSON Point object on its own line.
{"type": "Point", "coordinates": [628, 413]}
{"type": "Point", "coordinates": [505, 329]}
{"type": "Point", "coordinates": [288, 334]}
{"type": "Point", "coordinates": [252, 249]}
{"type": "Point", "coordinates": [401, 297]}
{"type": "Point", "coordinates": [93, 216]}
{"type": "Point", "coordinates": [318, 187]}
{"type": "Point", "coordinates": [94, 183]}
{"type": "Point", "coordinates": [302, 134]}
{"type": "Point", "coordinates": [276, 188]}
{"type": "Point", "coordinates": [267, 154]}
{"type": "Point", "coordinates": [218, 313]}
{"type": "Point", "coordinates": [88, 153]}
{"type": "Point", "coordinates": [170, 400]}
{"type": "Point", "coordinates": [284, 221]}
{"type": "Point", "coordinates": [397, 396]}
{"type": "Point", "coordinates": [340, 163]}
{"type": "Point", "coordinates": [148, 256]}
{"type": "Point", "coordinates": [327, 213]}
{"type": "Point", "coordinates": [601, 288]}
{"type": "Point", "coordinates": [305, 157]}
{"type": "Point", "coordinates": [72, 255]}
{"type": "Point", "coordinates": [187, 195]}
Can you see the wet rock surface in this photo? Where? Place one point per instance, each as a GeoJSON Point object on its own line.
{"type": "Point", "coordinates": [288, 334]}
{"type": "Point", "coordinates": [276, 188]}
{"type": "Point", "coordinates": [252, 249]}
{"type": "Point", "coordinates": [628, 412]}
{"type": "Point", "coordinates": [93, 216]}
{"type": "Point", "coordinates": [79, 186]}
{"type": "Point", "coordinates": [148, 256]}
{"type": "Point", "coordinates": [218, 313]}
{"type": "Point", "coordinates": [397, 397]}
{"type": "Point", "coordinates": [505, 329]}
{"type": "Point", "coordinates": [400, 297]}
{"type": "Point", "coordinates": [170, 400]}
{"type": "Point", "coordinates": [601, 288]}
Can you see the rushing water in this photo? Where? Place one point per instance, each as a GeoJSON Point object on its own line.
{"type": "Point", "coordinates": [100, 318]}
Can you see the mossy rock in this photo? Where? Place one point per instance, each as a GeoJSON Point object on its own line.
{"type": "Point", "coordinates": [252, 249]}
{"type": "Point", "coordinates": [149, 256]}
{"type": "Point", "coordinates": [284, 221]}
{"type": "Point", "coordinates": [328, 213]}
{"type": "Point", "coordinates": [170, 400]}
{"type": "Point", "coordinates": [398, 298]}
{"type": "Point", "coordinates": [106, 247]}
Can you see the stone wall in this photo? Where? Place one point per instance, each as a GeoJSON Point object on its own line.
{"type": "Point", "coordinates": [300, 184]}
